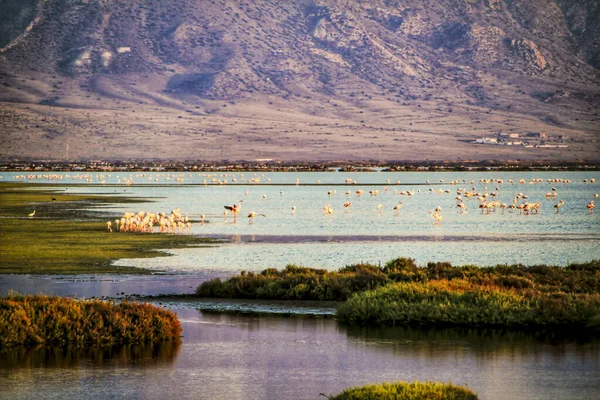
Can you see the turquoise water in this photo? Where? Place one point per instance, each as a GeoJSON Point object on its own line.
{"type": "Point", "coordinates": [363, 234]}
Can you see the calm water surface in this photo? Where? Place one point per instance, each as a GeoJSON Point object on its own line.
{"type": "Point", "coordinates": [316, 240]}
{"type": "Point", "coordinates": [225, 356]}
{"type": "Point", "coordinates": [241, 356]}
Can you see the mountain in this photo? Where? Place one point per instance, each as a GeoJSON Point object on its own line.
{"type": "Point", "coordinates": [298, 80]}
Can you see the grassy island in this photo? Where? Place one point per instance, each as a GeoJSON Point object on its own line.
{"type": "Point", "coordinates": [62, 238]}
{"type": "Point", "coordinates": [439, 294]}
{"type": "Point", "coordinates": [31, 320]}
{"type": "Point", "coordinates": [407, 391]}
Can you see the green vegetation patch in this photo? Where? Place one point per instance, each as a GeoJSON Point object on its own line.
{"type": "Point", "coordinates": [302, 283]}
{"type": "Point", "coordinates": [63, 239]}
{"type": "Point", "coordinates": [407, 391]}
{"type": "Point", "coordinates": [460, 302]}
{"type": "Point", "coordinates": [31, 320]}
{"type": "Point", "coordinates": [439, 294]}
{"type": "Point", "coordinates": [297, 283]}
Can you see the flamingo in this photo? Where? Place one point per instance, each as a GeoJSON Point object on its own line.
{"type": "Point", "coordinates": [591, 206]}
{"type": "Point", "coordinates": [436, 216]}
{"type": "Point", "coordinates": [559, 205]}
{"type": "Point", "coordinates": [252, 215]}
{"type": "Point", "coordinates": [398, 207]}
{"type": "Point", "coordinates": [235, 209]}
{"type": "Point", "coordinates": [347, 206]}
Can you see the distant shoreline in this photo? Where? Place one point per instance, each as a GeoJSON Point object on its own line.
{"type": "Point", "coordinates": [281, 166]}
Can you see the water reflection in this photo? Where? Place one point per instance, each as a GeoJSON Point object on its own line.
{"type": "Point", "coordinates": [474, 338]}
{"type": "Point", "coordinates": [79, 356]}
{"type": "Point", "coordinates": [496, 363]}
{"type": "Point", "coordinates": [251, 356]}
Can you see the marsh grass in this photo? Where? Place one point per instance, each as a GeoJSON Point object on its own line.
{"type": "Point", "coordinates": [64, 239]}
{"type": "Point", "coordinates": [461, 303]}
{"type": "Point", "coordinates": [296, 283]}
{"type": "Point", "coordinates": [407, 391]}
{"type": "Point", "coordinates": [402, 293]}
{"type": "Point", "coordinates": [32, 320]}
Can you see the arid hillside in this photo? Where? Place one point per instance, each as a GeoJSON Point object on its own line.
{"type": "Point", "coordinates": [300, 80]}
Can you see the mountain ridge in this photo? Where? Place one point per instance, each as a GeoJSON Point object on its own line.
{"type": "Point", "coordinates": [298, 80]}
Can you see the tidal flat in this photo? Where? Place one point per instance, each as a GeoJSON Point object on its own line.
{"type": "Point", "coordinates": [67, 235]}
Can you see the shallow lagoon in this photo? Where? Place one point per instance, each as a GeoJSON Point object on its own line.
{"type": "Point", "coordinates": [316, 240]}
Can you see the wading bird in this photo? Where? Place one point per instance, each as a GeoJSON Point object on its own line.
{"type": "Point", "coordinates": [398, 207]}
{"type": "Point", "coordinates": [559, 205]}
{"type": "Point", "coordinates": [33, 213]}
{"type": "Point", "coordinates": [235, 209]}
{"type": "Point", "coordinates": [252, 215]}
{"type": "Point", "coordinates": [590, 206]}
{"type": "Point", "coordinates": [436, 216]}
{"type": "Point", "coordinates": [347, 206]}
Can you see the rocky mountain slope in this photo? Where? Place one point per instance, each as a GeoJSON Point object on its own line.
{"type": "Point", "coordinates": [305, 79]}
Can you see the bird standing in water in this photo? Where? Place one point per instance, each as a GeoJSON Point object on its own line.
{"type": "Point", "coordinates": [559, 205]}
{"type": "Point", "coordinates": [398, 207]}
{"type": "Point", "coordinates": [347, 206]}
{"type": "Point", "coordinates": [252, 215]}
{"type": "Point", "coordinates": [235, 209]}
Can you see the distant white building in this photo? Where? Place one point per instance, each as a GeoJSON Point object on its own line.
{"type": "Point", "coordinates": [486, 140]}
{"type": "Point", "coordinates": [505, 135]}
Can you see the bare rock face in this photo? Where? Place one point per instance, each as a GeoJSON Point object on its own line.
{"type": "Point", "coordinates": [489, 45]}
{"type": "Point", "coordinates": [493, 4]}
{"type": "Point", "coordinates": [528, 50]}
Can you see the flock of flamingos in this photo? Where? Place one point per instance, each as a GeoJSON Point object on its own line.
{"type": "Point", "coordinates": [178, 222]}
{"type": "Point", "coordinates": [175, 222]}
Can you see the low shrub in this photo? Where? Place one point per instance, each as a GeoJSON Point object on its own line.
{"type": "Point", "coordinates": [507, 296]}
{"type": "Point", "coordinates": [297, 283]}
{"type": "Point", "coordinates": [463, 303]}
{"type": "Point", "coordinates": [407, 391]}
{"type": "Point", "coordinates": [39, 319]}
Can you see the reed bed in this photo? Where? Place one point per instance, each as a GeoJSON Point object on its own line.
{"type": "Point", "coordinates": [297, 283]}
{"type": "Point", "coordinates": [460, 302]}
{"type": "Point", "coordinates": [407, 391]}
{"type": "Point", "coordinates": [31, 320]}
{"type": "Point", "coordinates": [439, 294]}
{"type": "Point", "coordinates": [302, 283]}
